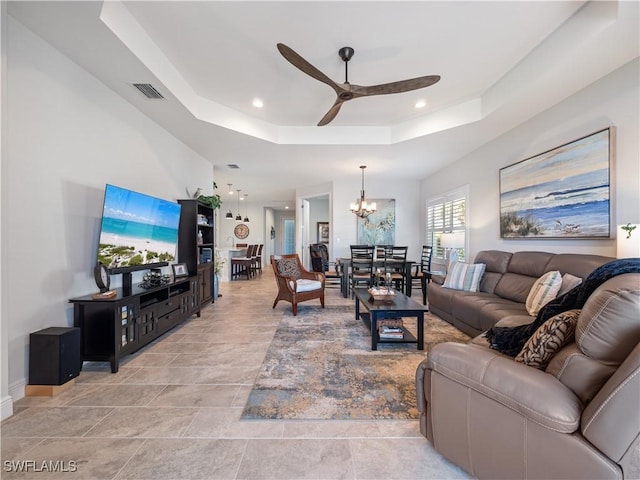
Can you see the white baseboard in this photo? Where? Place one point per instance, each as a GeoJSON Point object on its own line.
{"type": "Point", "coordinates": [17, 389]}
{"type": "Point", "coordinates": [6, 407]}
{"type": "Point", "coordinates": [16, 392]}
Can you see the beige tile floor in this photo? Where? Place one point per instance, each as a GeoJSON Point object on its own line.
{"type": "Point", "coordinates": [173, 412]}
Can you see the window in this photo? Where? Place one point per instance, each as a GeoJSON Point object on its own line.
{"type": "Point", "coordinates": [447, 214]}
{"type": "Point", "coordinates": [289, 237]}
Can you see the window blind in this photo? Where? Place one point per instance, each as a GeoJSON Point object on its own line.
{"type": "Point", "coordinates": [447, 214]}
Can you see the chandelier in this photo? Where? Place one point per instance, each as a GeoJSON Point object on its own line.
{"type": "Point", "coordinates": [360, 207]}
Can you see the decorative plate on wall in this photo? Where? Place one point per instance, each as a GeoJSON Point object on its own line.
{"type": "Point", "coordinates": [241, 231]}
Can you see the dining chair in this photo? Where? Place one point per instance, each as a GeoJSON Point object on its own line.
{"type": "Point", "coordinates": [422, 271]}
{"type": "Point", "coordinates": [361, 265]}
{"type": "Point", "coordinates": [381, 251]}
{"type": "Point", "coordinates": [320, 263]}
{"type": "Point", "coordinates": [256, 265]}
{"type": "Point", "coordinates": [243, 266]}
{"type": "Point", "coordinates": [395, 260]}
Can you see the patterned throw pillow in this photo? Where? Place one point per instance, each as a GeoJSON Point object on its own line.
{"type": "Point", "coordinates": [464, 276]}
{"type": "Point", "coordinates": [548, 339]}
{"type": "Point", "coordinates": [288, 267]}
{"type": "Point", "coordinates": [544, 290]}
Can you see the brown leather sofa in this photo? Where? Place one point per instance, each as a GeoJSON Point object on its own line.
{"type": "Point", "coordinates": [578, 418]}
{"type": "Point", "coordinates": [504, 287]}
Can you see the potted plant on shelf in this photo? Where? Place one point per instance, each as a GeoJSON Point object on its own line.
{"type": "Point", "coordinates": [214, 201]}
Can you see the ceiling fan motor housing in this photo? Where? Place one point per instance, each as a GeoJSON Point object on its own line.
{"type": "Point", "coordinates": [346, 53]}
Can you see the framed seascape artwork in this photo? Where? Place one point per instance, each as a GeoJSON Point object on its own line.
{"type": "Point", "coordinates": [379, 228]}
{"type": "Point", "coordinates": [323, 232]}
{"type": "Point", "coordinates": [565, 192]}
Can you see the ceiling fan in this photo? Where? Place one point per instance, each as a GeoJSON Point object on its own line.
{"type": "Point", "coordinates": [347, 91]}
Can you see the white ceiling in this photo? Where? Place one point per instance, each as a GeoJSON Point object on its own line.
{"type": "Point", "coordinates": [501, 63]}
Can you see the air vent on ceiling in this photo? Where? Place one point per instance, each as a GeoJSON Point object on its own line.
{"type": "Point", "coordinates": [232, 165]}
{"type": "Point", "coordinates": [148, 90]}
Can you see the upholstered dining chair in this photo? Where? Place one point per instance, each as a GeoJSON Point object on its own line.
{"type": "Point", "coordinates": [422, 271]}
{"type": "Point", "coordinates": [361, 265]}
{"type": "Point", "coordinates": [295, 283]}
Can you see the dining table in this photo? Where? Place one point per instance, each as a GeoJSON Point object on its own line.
{"type": "Point", "coordinates": [345, 265]}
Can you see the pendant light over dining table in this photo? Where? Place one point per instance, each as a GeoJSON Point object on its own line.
{"type": "Point", "coordinates": [361, 207]}
{"type": "Point", "coordinates": [238, 216]}
{"type": "Point", "coordinates": [246, 216]}
{"type": "Point", "coordinates": [229, 215]}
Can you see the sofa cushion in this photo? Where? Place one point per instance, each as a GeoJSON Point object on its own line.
{"type": "Point", "coordinates": [497, 263]}
{"type": "Point", "coordinates": [548, 339]}
{"type": "Point", "coordinates": [514, 286]}
{"type": "Point", "coordinates": [464, 276]}
{"type": "Point", "coordinates": [482, 310]}
{"type": "Point", "coordinates": [531, 264]}
{"type": "Point", "coordinates": [608, 328]}
{"type": "Point", "coordinates": [568, 282]}
{"type": "Point", "coordinates": [543, 291]}
{"type": "Point", "coordinates": [523, 270]}
{"type": "Point", "coordinates": [577, 264]}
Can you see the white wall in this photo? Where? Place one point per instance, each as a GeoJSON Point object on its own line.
{"type": "Point", "coordinates": [226, 226]}
{"type": "Point", "coordinates": [613, 100]}
{"type": "Point", "coordinates": [68, 136]}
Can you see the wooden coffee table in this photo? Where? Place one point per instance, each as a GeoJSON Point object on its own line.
{"type": "Point", "coordinates": [400, 306]}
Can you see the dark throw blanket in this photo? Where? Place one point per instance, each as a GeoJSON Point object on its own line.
{"type": "Point", "coordinates": [510, 340]}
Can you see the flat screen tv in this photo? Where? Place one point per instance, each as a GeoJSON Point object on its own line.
{"type": "Point", "coordinates": [137, 231]}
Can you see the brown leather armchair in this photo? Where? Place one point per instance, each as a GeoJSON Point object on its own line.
{"type": "Point", "coordinates": [295, 283]}
{"type": "Point", "coordinates": [577, 418]}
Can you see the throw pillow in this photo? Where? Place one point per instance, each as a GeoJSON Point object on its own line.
{"type": "Point", "coordinates": [548, 339]}
{"type": "Point", "coordinates": [464, 276]}
{"type": "Point", "coordinates": [543, 291]}
{"type": "Point", "coordinates": [568, 282]}
{"type": "Point", "coordinates": [288, 267]}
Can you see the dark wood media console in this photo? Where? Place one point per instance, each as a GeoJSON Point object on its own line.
{"type": "Point", "coordinates": [113, 327]}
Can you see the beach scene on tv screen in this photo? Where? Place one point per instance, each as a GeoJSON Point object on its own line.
{"type": "Point", "coordinates": [137, 229]}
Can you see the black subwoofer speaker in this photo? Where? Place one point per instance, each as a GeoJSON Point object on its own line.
{"type": "Point", "coordinates": [54, 355]}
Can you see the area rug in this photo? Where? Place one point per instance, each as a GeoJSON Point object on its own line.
{"type": "Point", "coordinates": [320, 366]}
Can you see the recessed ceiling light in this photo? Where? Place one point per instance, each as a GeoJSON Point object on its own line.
{"type": "Point", "coordinates": [421, 104]}
{"type": "Point", "coordinates": [257, 103]}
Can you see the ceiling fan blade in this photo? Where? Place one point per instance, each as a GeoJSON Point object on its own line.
{"type": "Point", "coordinates": [395, 87]}
{"type": "Point", "coordinates": [331, 114]}
{"type": "Point", "coordinates": [301, 64]}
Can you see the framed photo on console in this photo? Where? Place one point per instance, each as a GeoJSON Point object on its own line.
{"type": "Point", "coordinates": [563, 193]}
{"type": "Point", "coordinates": [180, 270]}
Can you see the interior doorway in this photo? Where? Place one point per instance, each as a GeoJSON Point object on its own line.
{"type": "Point", "coordinates": [316, 228]}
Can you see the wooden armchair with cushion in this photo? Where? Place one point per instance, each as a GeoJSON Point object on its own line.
{"type": "Point", "coordinates": [295, 283]}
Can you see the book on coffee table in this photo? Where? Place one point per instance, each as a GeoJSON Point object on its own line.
{"type": "Point", "coordinates": [390, 332]}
